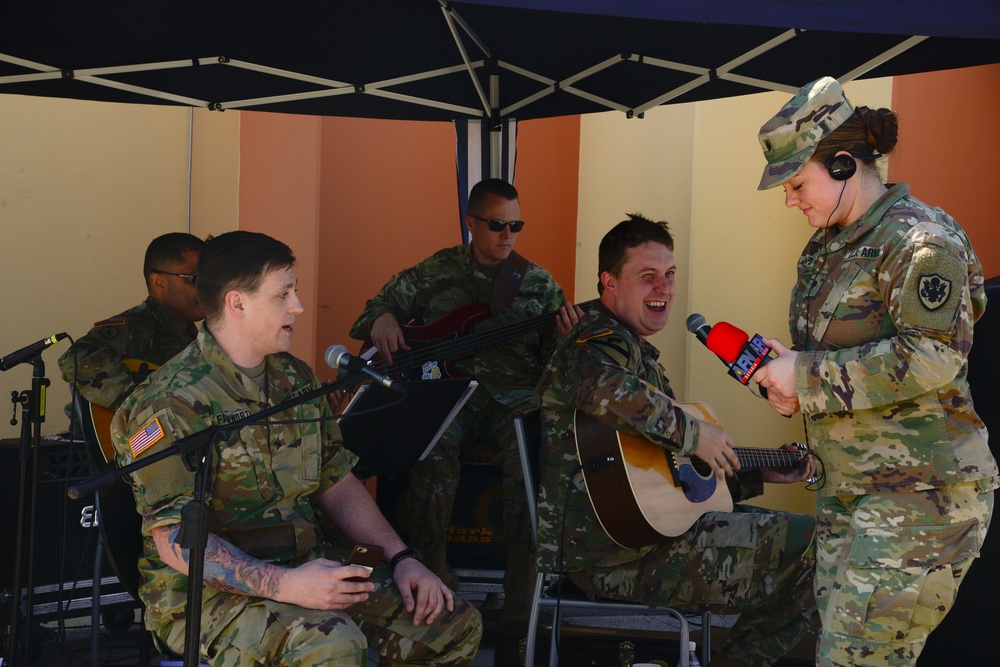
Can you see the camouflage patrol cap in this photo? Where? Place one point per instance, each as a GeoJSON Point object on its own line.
{"type": "Point", "coordinates": [789, 139]}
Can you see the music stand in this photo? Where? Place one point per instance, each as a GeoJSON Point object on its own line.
{"type": "Point", "coordinates": [388, 435]}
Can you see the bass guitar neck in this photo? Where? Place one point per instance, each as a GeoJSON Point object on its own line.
{"type": "Point", "coordinates": [436, 345]}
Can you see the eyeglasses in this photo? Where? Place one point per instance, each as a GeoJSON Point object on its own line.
{"type": "Point", "coordinates": [498, 225]}
{"type": "Point", "coordinates": [190, 277]}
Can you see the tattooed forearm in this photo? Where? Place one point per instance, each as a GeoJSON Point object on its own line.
{"type": "Point", "coordinates": [229, 569]}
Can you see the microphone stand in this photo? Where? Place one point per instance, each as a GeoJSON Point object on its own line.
{"type": "Point", "coordinates": [33, 415]}
{"type": "Point", "coordinates": [196, 450]}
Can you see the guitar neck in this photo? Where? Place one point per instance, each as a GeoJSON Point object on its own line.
{"type": "Point", "coordinates": [472, 342]}
{"type": "Point", "coordinates": [752, 457]}
{"type": "Point", "coordinates": [468, 343]}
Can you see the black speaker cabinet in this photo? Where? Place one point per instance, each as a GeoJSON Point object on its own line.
{"type": "Point", "coordinates": [475, 538]}
{"type": "Point", "coordinates": [66, 533]}
{"type": "Point", "coordinates": [963, 636]}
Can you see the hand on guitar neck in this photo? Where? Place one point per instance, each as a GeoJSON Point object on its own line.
{"type": "Point", "coordinates": [716, 448]}
{"type": "Point", "coordinates": [804, 471]}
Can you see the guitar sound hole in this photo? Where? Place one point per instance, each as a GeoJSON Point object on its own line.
{"type": "Point", "coordinates": [701, 467]}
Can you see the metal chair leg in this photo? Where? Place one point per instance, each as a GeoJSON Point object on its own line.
{"type": "Point", "coordinates": [706, 638]}
{"type": "Point", "coordinates": [529, 649]}
{"type": "Point", "coordinates": [554, 639]}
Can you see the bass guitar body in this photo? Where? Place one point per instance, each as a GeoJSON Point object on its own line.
{"type": "Point", "coordinates": [430, 346]}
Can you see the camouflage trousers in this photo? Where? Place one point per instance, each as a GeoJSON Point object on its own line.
{"type": "Point", "coordinates": [889, 566]}
{"type": "Point", "coordinates": [282, 635]}
{"type": "Point", "coordinates": [753, 562]}
{"type": "Point", "coordinates": [434, 485]}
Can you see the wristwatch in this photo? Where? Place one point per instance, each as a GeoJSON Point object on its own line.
{"type": "Point", "coordinates": [408, 552]}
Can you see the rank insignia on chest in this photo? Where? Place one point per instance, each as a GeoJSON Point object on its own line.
{"type": "Point", "coordinates": [933, 291]}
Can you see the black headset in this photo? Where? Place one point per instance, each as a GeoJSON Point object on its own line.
{"type": "Point", "coordinates": [841, 167]}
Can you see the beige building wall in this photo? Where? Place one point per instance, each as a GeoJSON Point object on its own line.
{"type": "Point", "coordinates": [84, 186]}
{"type": "Point", "coordinates": [697, 166]}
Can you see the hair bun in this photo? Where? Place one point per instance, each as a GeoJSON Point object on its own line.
{"type": "Point", "coordinates": [882, 129]}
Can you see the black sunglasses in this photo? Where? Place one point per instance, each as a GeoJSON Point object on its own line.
{"type": "Point", "coordinates": [498, 225]}
{"type": "Point", "coordinates": [190, 277]}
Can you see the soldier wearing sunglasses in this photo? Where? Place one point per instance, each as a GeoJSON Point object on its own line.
{"type": "Point", "coordinates": [486, 271]}
{"type": "Point", "coordinates": [119, 352]}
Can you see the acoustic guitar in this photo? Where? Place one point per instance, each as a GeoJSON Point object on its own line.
{"type": "Point", "coordinates": [642, 493]}
{"type": "Point", "coordinates": [101, 416]}
{"type": "Point", "coordinates": [437, 344]}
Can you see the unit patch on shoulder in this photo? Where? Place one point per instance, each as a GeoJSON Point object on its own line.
{"type": "Point", "coordinates": [933, 291]}
{"type": "Point", "coordinates": [609, 344]}
{"type": "Point", "coordinates": [150, 434]}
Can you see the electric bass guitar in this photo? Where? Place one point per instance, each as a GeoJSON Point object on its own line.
{"type": "Point", "coordinates": [436, 345]}
{"type": "Point", "coordinates": [642, 493]}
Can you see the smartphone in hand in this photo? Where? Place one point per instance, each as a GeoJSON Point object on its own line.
{"type": "Point", "coordinates": [365, 555]}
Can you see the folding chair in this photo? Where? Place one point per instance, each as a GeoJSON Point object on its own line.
{"type": "Point", "coordinates": [527, 427]}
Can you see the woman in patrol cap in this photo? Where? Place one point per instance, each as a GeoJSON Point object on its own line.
{"type": "Point", "coordinates": [881, 322]}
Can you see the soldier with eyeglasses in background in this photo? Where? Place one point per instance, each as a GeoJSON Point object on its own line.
{"type": "Point", "coordinates": [118, 353]}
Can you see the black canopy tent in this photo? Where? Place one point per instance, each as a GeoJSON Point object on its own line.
{"type": "Point", "coordinates": [479, 59]}
{"type": "Point", "coordinates": [437, 60]}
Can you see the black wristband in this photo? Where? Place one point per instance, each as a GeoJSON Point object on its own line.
{"type": "Point", "coordinates": [408, 552]}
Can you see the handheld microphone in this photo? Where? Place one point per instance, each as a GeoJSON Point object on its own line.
{"type": "Point", "coordinates": [741, 354]}
{"type": "Point", "coordinates": [26, 353]}
{"type": "Point", "coordinates": [729, 344]}
{"type": "Point", "coordinates": [338, 357]}
{"type": "Point", "coordinates": [697, 325]}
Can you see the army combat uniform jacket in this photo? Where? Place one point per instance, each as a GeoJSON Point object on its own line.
{"type": "Point", "coordinates": [263, 475]}
{"type": "Point", "coordinates": [883, 315]}
{"type": "Point", "coordinates": [451, 278]}
{"type": "Point", "coordinates": [145, 334]}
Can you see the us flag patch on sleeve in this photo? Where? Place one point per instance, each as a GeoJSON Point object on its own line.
{"type": "Point", "coordinates": [144, 439]}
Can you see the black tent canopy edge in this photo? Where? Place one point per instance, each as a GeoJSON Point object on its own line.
{"type": "Point", "coordinates": [458, 60]}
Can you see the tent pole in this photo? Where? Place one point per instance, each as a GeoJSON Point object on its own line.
{"type": "Point", "coordinates": [496, 123]}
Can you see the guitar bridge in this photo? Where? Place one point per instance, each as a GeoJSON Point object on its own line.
{"type": "Point", "coordinates": [599, 463]}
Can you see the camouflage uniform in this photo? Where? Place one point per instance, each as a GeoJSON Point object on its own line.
{"type": "Point", "coordinates": [883, 316]}
{"type": "Point", "coordinates": [754, 562]}
{"type": "Point", "coordinates": [507, 372]}
{"type": "Point", "coordinates": [144, 333]}
{"type": "Point", "coordinates": [264, 478]}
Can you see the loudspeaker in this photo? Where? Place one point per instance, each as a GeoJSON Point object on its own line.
{"type": "Point", "coordinates": [963, 636]}
{"type": "Point", "coordinates": [475, 537]}
{"type": "Point", "coordinates": [66, 532]}
{"type": "Point", "coordinates": [841, 167]}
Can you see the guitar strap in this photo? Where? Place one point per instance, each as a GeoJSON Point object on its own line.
{"type": "Point", "coordinates": [508, 282]}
